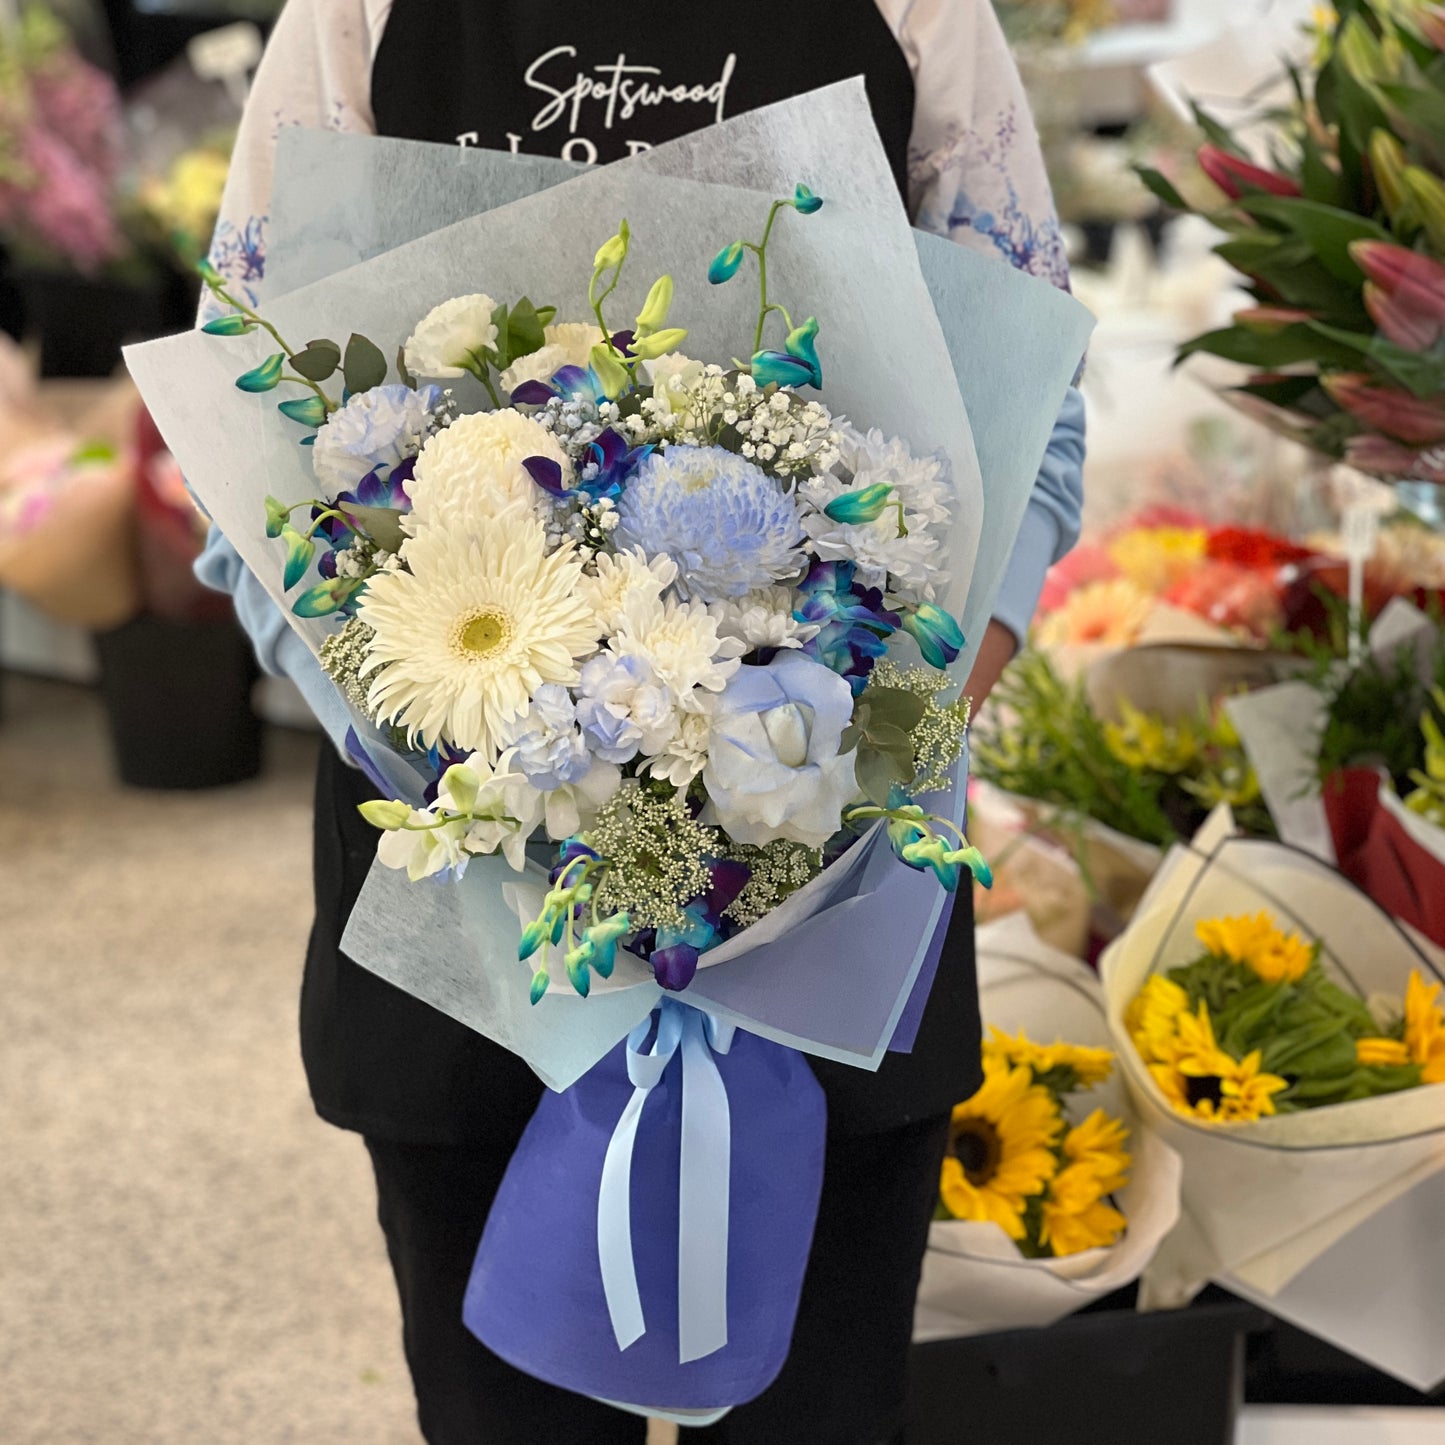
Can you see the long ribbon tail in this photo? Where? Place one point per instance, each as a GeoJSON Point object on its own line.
{"type": "Point", "coordinates": [706, 1164]}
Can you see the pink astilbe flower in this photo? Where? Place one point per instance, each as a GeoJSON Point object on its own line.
{"type": "Point", "coordinates": [79, 104]}
{"type": "Point", "coordinates": [67, 209]}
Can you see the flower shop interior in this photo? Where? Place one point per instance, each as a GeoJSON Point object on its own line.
{"type": "Point", "coordinates": [1222, 746]}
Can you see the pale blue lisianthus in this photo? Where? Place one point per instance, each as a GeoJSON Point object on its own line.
{"type": "Point", "coordinates": [773, 766]}
{"type": "Point", "coordinates": [550, 749]}
{"type": "Point", "coordinates": [376, 429]}
{"type": "Point", "coordinates": [729, 526]}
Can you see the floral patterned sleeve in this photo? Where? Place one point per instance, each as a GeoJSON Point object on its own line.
{"type": "Point", "coordinates": [976, 174]}
{"type": "Point", "coordinates": [316, 72]}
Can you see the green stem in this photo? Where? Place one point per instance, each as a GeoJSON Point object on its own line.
{"type": "Point", "coordinates": [761, 251]}
{"type": "Point", "coordinates": [325, 516]}
{"type": "Point", "coordinates": [222, 294]}
{"type": "Point", "coordinates": [597, 301]}
{"type": "Point", "coordinates": [326, 401]}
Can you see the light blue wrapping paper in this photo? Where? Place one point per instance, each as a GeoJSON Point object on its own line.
{"type": "Point", "coordinates": [952, 350]}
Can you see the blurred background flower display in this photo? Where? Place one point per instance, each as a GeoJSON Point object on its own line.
{"type": "Point", "coordinates": [1241, 658]}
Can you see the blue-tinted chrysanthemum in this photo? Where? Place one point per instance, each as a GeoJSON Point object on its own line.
{"type": "Point", "coordinates": [729, 526]}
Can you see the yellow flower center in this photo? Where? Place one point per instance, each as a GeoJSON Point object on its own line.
{"type": "Point", "coordinates": [977, 1147]}
{"type": "Point", "coordinates": [483, 634]}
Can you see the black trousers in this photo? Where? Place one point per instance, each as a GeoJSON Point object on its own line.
{"type": "Point", "coordinates": [843, 1383]}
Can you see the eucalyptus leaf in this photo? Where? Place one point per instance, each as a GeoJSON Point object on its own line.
{"type": "Point", "coordinates": [876, 776]}
{"type": "Point", "coordinates": [318, 361]}
{"type": "Point", "coordinates": [365, 366]}
{"type": "Point", "coordinates": [381, 524]}
{"type": "Point", "coordinates": [893, 705]}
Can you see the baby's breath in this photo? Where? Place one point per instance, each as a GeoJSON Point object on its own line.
{"type": "Point", "coordinates": [778, 869]}
{"type": "Point", "coordinates": [342, 655]}
{"type": "Point", "coordinates": [941, 733]}
{"type": "Point", "coordinates": [655, 850]}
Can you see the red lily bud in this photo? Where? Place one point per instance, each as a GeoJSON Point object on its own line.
{"type": "Point", "coordinates": [1235, 176]}
{"type": "Point", "coordinates": [1383, 458]}
{"type": "Point", "coordinates": [1270, 320]}
{"type": "Point", "coordinates": [1398, 322]}
{"type": "Point", "coordinates": [1429, 20]}
{"type": "Point", "coordinates": [1416, 281]}
{"type": "Point", "coordinates": [1388, 409]}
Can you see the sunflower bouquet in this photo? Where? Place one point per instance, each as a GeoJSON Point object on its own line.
{"type": "Point", "coordinates": [1285, 1036]}
{"type": "Point", "coordinates": [1049, 1195]}
{"type": "Point", "coordinates": [651, 656]}
{"type": "Point", "coordinates": [1015, 1161]}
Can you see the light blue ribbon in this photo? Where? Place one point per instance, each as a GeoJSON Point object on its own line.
{"type": "Point", "coordinates": [702, 1192]}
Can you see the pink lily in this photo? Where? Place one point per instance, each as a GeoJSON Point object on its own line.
{"type": "Point", "coordinates": [1418, 281]}
{"type": "Point", "coordinates": [1429, 20]}
{"type": "Point", "coordinates": [1388, 409]}
{"type": "Point", "coordinates": [1401, 323]}
{"type": "Point", "coordinates": [1234, 176]}
{"type": "Point", "coordinates": [1269, 320]}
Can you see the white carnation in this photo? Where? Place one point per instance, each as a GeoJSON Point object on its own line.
{"type": "Point", "coordinates": [473, 470]}
{"type": "Point", "coordinates": [451, 338]}
{"type": "Point", "coordinates": [375, 429]}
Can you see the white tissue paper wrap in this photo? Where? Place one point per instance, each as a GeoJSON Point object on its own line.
{"type": "Point", "coordinates": [954, 351]}
{"type": "Point", "coordinates": [974, 1279]}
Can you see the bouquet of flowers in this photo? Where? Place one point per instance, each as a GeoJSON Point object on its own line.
{"type": "Point", "coordinates": [1034, 22]}
{"type": "Point", "coordinates": [609, 623]}
{"type": "Point", "coordinates": [1341, 241]}
{"type": "Point", "coordinates": [60, 147]}
{"type": "Point", "coordinates": [1285, 1037]}
{"type": "Point", "coordinates": [1048, 1198]}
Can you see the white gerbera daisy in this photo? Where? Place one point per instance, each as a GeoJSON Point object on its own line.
{"type": "Point", "coordinates": [468, 635]}
{"type": "Point", "coordinates": [473, 470]}
{"type": "Point", "coordinates": [623, 575]}
{"type": "Point", "coordinates": [680, 640]}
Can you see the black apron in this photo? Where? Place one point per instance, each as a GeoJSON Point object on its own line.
{"type": "Point", "coordinates": [560, 78]}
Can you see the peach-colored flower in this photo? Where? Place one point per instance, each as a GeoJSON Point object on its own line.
{"type": "Point", "coordinates": [1108, 613]}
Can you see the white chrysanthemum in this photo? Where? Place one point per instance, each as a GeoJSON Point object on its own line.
{"type": "Point", "coordinates": [685, 755]}
{"type": "Point", "coordinates": [729, 526]}
{"type": "Point", "coordinates": [680, 640]}
{"type": "Point", "coordinates": [473, 469]}
{"type": "Point", "coordinates": [621, 576]}
{"type": "Point", "coordinates": [451, 337]}
{"type": "Point", "coordinates": [473, 630]}
{"type": "Point", "coordinates": [910, 566]}
{"type": "Point", "coordinates": [763, 619]}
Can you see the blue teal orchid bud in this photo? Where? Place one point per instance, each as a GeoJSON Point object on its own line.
{"type": "Point", "coordinates": [805, 201]}
{"type": "Point", "coordinates": [905, 830]}
{"type": "Point", "coordinates": [265, 377]}
{"type": "Point", "coordinates": [327, 596]}
{"type": "Point", "coordinates": [604, 938]}
{"type": "Point", "coordinates": [299, 552]}
{"type": "Point", "coordinates": [308, 410]}
{"type": "Point", "coordinates": [278, 514]}
{"type": "Point", "coordinates": [801, 344]}
{"type": "Point", "coordinates": [579, 967]}
{"type": "Point", "coordinates": [233, 325]}
{"type": "Point", "coordinates": [388, 815]}
{"type": "Point", "coordinates": [975, 862]}
{"type": "Point", "coordinates": [770, 367]}
{"type": "Point", "coordinates": [866, 504]}
{"type": "Point", "coordinates": [540, 982]}
{"type": "Point", "coordinates": [933, 852]}
{"type": "Point", "coordinates": [534, 935]}
{"type": "Point", "coordinates": [726, 263]}
{"type": "Point", "coordinates": [939, 637]}
{"type": "Point", "coordinates": [209, 274]}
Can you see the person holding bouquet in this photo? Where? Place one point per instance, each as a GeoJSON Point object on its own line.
{"type": "Point", "coordinates": [441, 1107]}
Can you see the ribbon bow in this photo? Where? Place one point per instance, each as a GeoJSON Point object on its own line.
{"type": "Point", "coordinates": [702, 1270]}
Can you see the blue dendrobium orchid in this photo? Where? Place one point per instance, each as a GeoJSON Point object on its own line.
{"type": "Point", "coordinates": [802, 345]}
{"type": "Point", "coordinates": [777, 367]}
{"type": "Point", "coordinates": [866, 504]}
{"type": "Point", "coordinates": [614, 462]}
{"type": "Point", "coordinates": [855, 625]}
{"type": "Point", "coordinates": [726, 263]}
{"type": "Point", "coordinates": [677, 950]}
{"type": "Point", "coordinates": [939, 637]}
{"type": "Point", "coordinates": [805, 202]}
{"type": "Point", "coordinates": [571, 383]}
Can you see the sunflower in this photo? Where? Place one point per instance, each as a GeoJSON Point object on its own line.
{"type": "Point", "coordinates": [468, 635]}
{"type": "Point", "coordinates": [1255, 943]}
{"type": "Point", "coordinates": [1000, 1149]}
{"type": "Point", "coordinates": [1075, 1215]}
{"type": "Point", "coordinates": [1089, 1066]}
{"type": "Point", "coordinates": [1152, 1017]}
{"type": "Point", "coordinates": [1425, 1029]}
{"type": "Point", "coordinates": [1207, 1084]}
{"type": "Point", "coordinates": [1098, 1145]}
{"type": "Point", "coordinates": [1108, 613]}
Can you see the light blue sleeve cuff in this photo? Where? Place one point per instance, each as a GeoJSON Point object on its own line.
{"type": "Point", "coordinates": [1052, 523]}
{"type": "Point", "coordinates": [279, 648]}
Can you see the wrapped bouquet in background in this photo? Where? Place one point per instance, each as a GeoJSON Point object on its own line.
{"type": "Point", "coordinates": [1284, 1035]}
{"type": "Point", "coordinates": [1340, 236]}
{"type": "Point", "coordinates": [650, 651]}
{"type": "Point", "coordinates": [1048, 1198]}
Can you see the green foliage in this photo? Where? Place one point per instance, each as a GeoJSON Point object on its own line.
{"type": "Point", "coordinates": [364, 366]}
{"type": "Point", "coordinates": [318, 361]}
